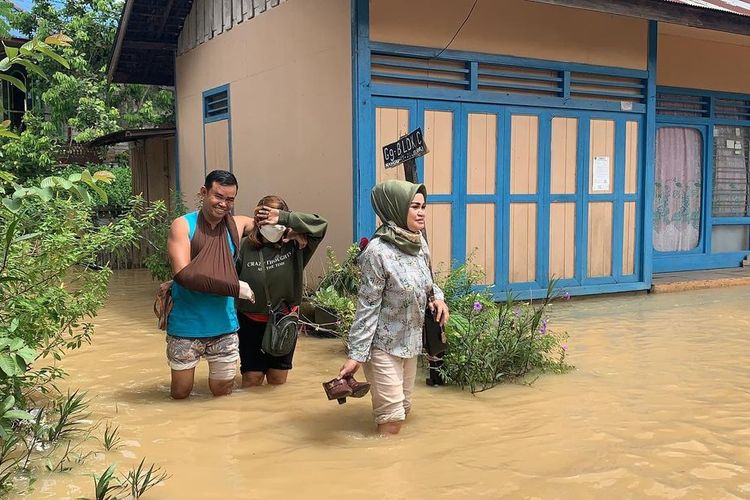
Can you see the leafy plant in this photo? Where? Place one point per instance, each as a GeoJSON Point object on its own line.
{"type": "Point", "coordinates": [340, 306]}
{"type": "Point", "coordinates": [111, 438]}
{"type": "Point", "coordinates": [343, 277]}
{"type": "Point", "coordinates": [141, 479]}
{"type": "Point", "coordinates": [158, 261]}
{"type": "Point", "coordinates": [490, 343]}
{"type": "Point", "coordinates": [106, 484]}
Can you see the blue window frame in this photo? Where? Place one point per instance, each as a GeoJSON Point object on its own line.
{"type": "Point", "coordinates": [708, 112]}
{"type": "Point", "coordinates": [216, 104]}
{"type": "Point", "coordinates": [216, 108]}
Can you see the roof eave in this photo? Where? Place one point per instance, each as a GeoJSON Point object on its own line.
{"type": "Point", "coordinates": [659, 10]}
{"type": "Point", "coordinates": [122, 28]}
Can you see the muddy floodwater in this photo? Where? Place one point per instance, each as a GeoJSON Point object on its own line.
{"type": "Point", "coordinates": [658, 406]}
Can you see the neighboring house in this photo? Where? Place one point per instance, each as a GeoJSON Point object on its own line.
{"type": "Point", "coordinates": [151, 153]}
{"type": "Point", "coordinates": [597, 142]}
{"type": "Point", "coordinates": [15, 102]}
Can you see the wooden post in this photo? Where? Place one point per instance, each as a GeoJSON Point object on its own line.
{"type": "Point", "coordinates": [410, 170]}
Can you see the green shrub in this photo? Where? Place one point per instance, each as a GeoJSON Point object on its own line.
{"type": "Point", "coordinates": [158, 261]}
{"type": "Point", "coordinates": [50, 289]}
{"type": "Point", "coordinates": [490, 343]}
{"type": "Point", "coordinates": [343, 277]}
{"type": "Point", "coordinates": [341, 306]}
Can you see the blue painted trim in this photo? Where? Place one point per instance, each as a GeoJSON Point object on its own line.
{"type": "Point", "coordinates": [363, 116]}
{"type": "Point", "coordinates": [648, 136]}
{"type": "Point", "coordinates": [212, 119]}
{"type": "Point", "coordinates": [699, 262]}
{"type": "Point", "coordinates": [723, 221]}
{"type": "Point", "coordinates": [539, 293]}
{"type": "Point", "coordinates": [177, 130]}
{"type": "Point", "coordinates": [211, 92]}
{"type": "Point", "coordinates": [618, 207]}
{"type": "Point", "coordinates": [458, 55]}
{"type": "Point", "coordinates": [463, 95]}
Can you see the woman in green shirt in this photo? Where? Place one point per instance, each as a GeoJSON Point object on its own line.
{"type": "Point", "coordinates": [286, 241]}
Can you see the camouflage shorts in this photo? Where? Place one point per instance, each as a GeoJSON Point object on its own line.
{"type": "Point", "coordinates": [183, 353]}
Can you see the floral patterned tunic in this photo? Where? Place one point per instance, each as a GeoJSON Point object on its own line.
{"type": "Point", "coordinates": [391, 302]}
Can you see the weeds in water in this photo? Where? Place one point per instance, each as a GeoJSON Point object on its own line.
{"type": "Point", "coordinates": [107, 484]}
{"type": "Point", "coordinates": [141, 479]}
{"type": "Point", "coordinates": [8, 460]}
{"type": "Point", "coordinates": [70, 413]}
{"type": "Point", "coordinates": [111, 439]}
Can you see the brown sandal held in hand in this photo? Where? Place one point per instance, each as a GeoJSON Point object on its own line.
{"type": "Point", "coordinates": [338, 389]}
{"type": "Point", "coordinates": [359, 389]}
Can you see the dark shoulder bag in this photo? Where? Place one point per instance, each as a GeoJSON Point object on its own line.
{"type": "Point", "coordinates": [433, 336]}
{"type": "Point", "coordinates": [280, 334]}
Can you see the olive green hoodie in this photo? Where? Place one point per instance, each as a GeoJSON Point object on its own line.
{"type": "Point", "coordinates": [285, 263]}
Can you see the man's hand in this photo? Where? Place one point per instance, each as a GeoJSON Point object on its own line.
{"type": "Point", "coordinates": [291, 235]}
{"type": "Point", "coordinates": [266, 215]}
{"type": "Point", "coordinates": [245, 224]}
{"type": "Point", "coordinates": [349, 368]}
{"type": "Point", "coordinates": [246, 292]}
{"type": "Point", "coordinates": [439, 310]}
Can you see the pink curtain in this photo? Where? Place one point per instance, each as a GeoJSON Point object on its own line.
{"type": "Point", "coordinates": [678, 187]}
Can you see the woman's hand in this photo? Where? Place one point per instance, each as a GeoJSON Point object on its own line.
{"type": "Point", "coordinates": [266, 215]}
{"type": "Point", "coordinates": [349, 368]}
{"type": "Point", "coordinates": [439, 310]}
{"type": "Point", "coordinates": [291, 235]}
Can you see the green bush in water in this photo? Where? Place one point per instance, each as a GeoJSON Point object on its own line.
{"type": "Point", "coordinates": [490, 343]}
{"type": "Point", "coordinates": [50, 289]}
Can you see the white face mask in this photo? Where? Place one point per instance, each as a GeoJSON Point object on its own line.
{"type": "Point", "coordinates": [272, 233]}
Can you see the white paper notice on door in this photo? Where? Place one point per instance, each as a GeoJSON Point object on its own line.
{"type": "Point", "coordinates": [601, 179]}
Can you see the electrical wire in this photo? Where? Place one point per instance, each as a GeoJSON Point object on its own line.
{"type": "Point", "coordinates": [458, 30]}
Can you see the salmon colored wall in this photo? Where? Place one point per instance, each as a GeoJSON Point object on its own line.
{"type": "Point", "coordinates": [290, 78]}
{"type": "Point", "coordinates": [701, 59]}
{"type": "Point", "coordinates": [513, 27]}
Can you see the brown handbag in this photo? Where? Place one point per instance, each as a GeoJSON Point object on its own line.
{"type": "Point", "coordinates": [163, 304]}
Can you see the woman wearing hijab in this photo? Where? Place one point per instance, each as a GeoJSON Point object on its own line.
{"type": "Point", "coordinates": [386, 336]}
{"type": "Point", "coordinates": [286, 241]}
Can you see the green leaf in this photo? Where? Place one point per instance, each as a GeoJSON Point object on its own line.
{"type": "Point", "coordinates": [45, 194]}
{"type": "Point", "coordinates": [13, 80]}
{"type": "Point", "coordinates": [82, 194]}
{"type": "Point", "coordinates": [18, 415]}
{"type": "Point", "coordinates": [5, 64]}
{"type": "Point", "coordinates": [60, 39]}
{"type": "Point", "coordinates": [76, 177]}
{"type": "Point", "coordinates": [99, 191]}
{"type": "Point", "coordinates": [104, 176]}
{"type": "Point", "coordinates": [34, 68]}
{"type": "Point", "coordinates": [86, 176]}
{"type": "Point", "coordinates": [26, 237]}
{"type": "Point", "coordinates": [27, 353]}
{"type": "Point", "coordinates": [11, 52]}
{"type": "Point", "coordinates": [47, 51]}
{"type": "Point", "coordinates": [7, 365]}
{"type": "Point", "coordinates": [10, 233]}
{"type": "Point", "coordinates": [8, 404]}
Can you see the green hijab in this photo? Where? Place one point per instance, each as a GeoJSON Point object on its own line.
{"type": "Point", "coordinates": [391, 200]}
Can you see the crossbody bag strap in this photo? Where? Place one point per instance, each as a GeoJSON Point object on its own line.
{"type": "Point", "coordinates": [265, 279]}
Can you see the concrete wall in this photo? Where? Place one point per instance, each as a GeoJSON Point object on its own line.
{"type": "Point", "coordinates": [513, 27]}
{"type": "Point", "coordinates": [702, 59]}
{"type": "Point", "coordinates": [290, 82]}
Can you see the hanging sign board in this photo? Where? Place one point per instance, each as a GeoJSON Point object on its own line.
{"type": "Point", "coordinates": [409, 147]}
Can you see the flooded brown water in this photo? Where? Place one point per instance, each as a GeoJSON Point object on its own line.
{"type": "Point", "coordinates": [659, 406]}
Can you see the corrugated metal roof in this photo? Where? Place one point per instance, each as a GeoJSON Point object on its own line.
{"type": "Point", "coordinates": [734, 6]}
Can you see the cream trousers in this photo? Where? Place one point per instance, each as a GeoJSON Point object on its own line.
{"type": "Point", "coordinates": [391, 385]}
